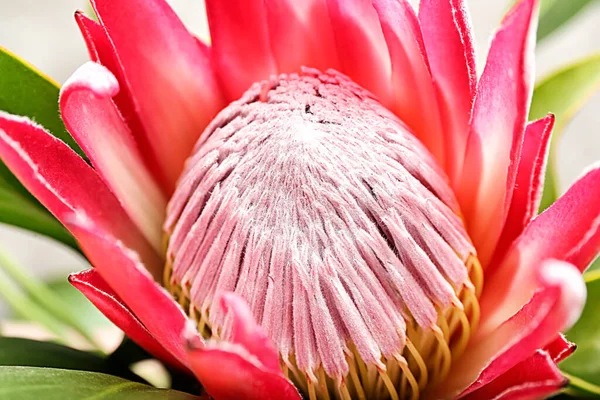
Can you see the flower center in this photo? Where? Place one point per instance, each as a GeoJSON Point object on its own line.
{"type": "Point", "coordinates": [318, 206]}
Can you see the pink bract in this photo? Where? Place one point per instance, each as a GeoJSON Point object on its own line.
{"type": "Point", "coordinates": [139, 107]}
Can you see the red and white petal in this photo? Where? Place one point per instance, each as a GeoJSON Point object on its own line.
{"type": "Point", "coordinates": [238, 376]}
{"type": "Point", "coordinates": [560, 348]}
{"type": "Point", "coordinates": [66, 185]}
{"type": "Point", "coordinates": [534, 378]}
{"type": "Point", "coordinates": [301, 35]}
{"type": "Point", "coordinates": [361, 46]}
{"type": "Point", "coordinates": [102, 51]}
{"type": "Point", "coordinates": [248, 362]}
{"type": "Point", "coordinates": [92, 286]}
{"type": "Point", "coordinates": [497, 128]}
{"type": "Point", "coordinates": [91, 117]}
{"type": "Point", "coordinates": [240, 41]}
{"type": "Point", "coordinates": [96, 40]}
{"type": "Point", "coordinates": [529, 184]}
{"type": "Point", "coordinates": [555, 306]}
{"type": "Point", "coordinates": [125, 274]}
{"type": "Point", "coordinates": [568, 230]}
{"type": "Point", "coordinates": [413, 96]}
{"type": "Point", "coordinates": [248, 333]}
{"type": "Point", "coordinates": [172, 83]}
{"type": "Point", "coordinates": [446, 28]}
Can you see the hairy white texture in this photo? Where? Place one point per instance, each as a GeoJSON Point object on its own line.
{"type": "Point", "coordinates": [314, 203]}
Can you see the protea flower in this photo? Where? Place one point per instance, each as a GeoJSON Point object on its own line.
{"type": "Point", "coordinates": [325, 201]}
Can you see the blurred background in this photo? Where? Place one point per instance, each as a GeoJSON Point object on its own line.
{"type": "Point", "coordinates": [45, 34]}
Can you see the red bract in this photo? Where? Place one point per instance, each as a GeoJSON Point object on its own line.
{"type": "Point", "coordinates": [379, 223]}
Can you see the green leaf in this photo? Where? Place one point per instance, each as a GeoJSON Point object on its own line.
{"type": "Point", "coordinates": [563, 93]}
{"type": "Point", "coordinates": [26, 91]}
{"type": "Point", "coordinates": [566, 90]}
{"type": "Point", "coordinates": [556, 13]}
{"type": "Point", "coordinates": [32, 383]}
{"type": "Point", "coordinates": [88, 315]}
{"type": "Point", "coordinates": [32, 353]}
{"type": "Point", "coordinates": [12, 184]}
{"type": "Point", "coordinates": [593, 267]}
{"type": "Point", "coordinates": [584, 364]}
{"type": "Point", "coordinates": [19, 211]}
{"type": "Point", "coordinates": [28, 309]}
{"type": "Point", "coordinates": [90, 12]}
{"type": "Point", "coordinates": [45, 297]}
{"type": "Point", "coordinates": [551, 191]}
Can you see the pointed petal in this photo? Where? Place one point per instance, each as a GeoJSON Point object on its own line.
{"type": "Point", "coordinates": [92, 286]}
{"type": "Point", "coordinates": [534, 378]}
{"type": "Point", "coordinates": [301, 35]}
{"type": "Point", "coordinates": [126, 275]}
{"type": "Point", "coordinates": [413, 98]}
{"type": "Point", "coordinates": [102, 51]}
{"type": "Point", "coordinates": [497, 127]}
{"type": "Point", "coordinates": [560, 348]}
{"type": "Point", "coordinates": [93, 120]}
{"type": "Point", "coordinates": [240, 42]}
{"type": "Point", "coordinates": [555, 307]}
{"type": "Point", "coordinates": [247, 333]}
{"type": "Point", "coordinates": [237, 376]}
{"type": "Point", "coordinates": [248, 364]}
{"type": "Point", "coordinates": [65, 184]}
{"type": "Point", "coordinates": [96, 40]}
{"type": "Point", "coordinates": [529, 183]}
{"type": "Point", "coordinates": [569, 230]}
{"type": "Point", "coordinates": [172, 84]}
{"type": "Point", "coordinates": [450, 48]}
{"type": "Point", "coordinates": [361, 46]}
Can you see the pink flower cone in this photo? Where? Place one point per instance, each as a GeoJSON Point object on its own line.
{"type": "Point", "coordinates": [359, 221]}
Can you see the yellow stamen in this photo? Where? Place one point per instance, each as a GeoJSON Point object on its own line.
{"type": "Point", "coordinates": [414, 386]}
{"type": "Point", "coordinates": [426, 359]}
{"type": "Point", "coordinates": [360, 393]}
{"type": "Point", "coordinates": [422, 368]}
{"type": "Point", "coordinates": [389, 385]}
{"type": "Point", "coordinates": [312, 394]}
{"type": "Point", "coordinates": [344, 394]}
